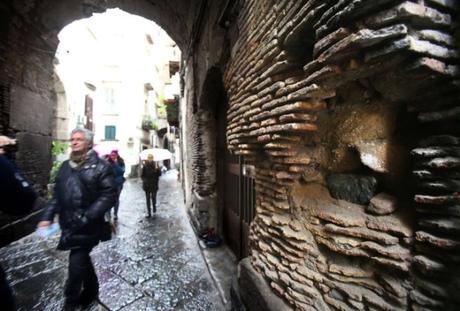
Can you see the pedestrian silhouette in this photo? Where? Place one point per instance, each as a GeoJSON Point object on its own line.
{"type": "Point", "coordinates": [118, 166]}
{"type": "Point", "coordinates": [17, 197]}
{"type": "Point", "coordinates": [150, 176]}
{"type": "Point", "coordinates": [85, 190]}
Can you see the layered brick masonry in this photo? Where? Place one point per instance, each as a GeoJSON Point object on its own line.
{"type": "Point", "coordinates": [318, 88]}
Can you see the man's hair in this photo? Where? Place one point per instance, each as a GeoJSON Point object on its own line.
{"type": "Point", "coordinates": [89, 136]}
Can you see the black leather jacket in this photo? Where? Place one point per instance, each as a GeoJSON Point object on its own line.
{"type": "Point", "coordinates": [150, 176]}
{"type": "Point", "coordinates": [18, 196]}
{"type": "Point", "coordinates": [82, 196]}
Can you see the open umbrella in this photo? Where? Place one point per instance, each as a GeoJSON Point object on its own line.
{"type": "Point", "coordinates": [158, 154]}
{"type": "Point", "coordinates": [103, 149]}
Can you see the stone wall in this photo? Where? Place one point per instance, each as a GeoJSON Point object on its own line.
{"type": "Point", "coordinates": [349, 111]}
{"type": "Point", "coordinates": [26, 91]}
{"type": "Point", "coordinates": [204, 94]}
{"type": "Point", "coordinates": [25, 65]}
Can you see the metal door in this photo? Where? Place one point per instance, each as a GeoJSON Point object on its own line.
{"type": "Point", "coordinates": [4, 107]}
{"type": "Point", "coordinates": [239, 204]}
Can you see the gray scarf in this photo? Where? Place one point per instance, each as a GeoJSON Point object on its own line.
{"type": "Point", "coordinates": [78, 158]}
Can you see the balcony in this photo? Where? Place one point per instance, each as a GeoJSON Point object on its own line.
{"type": "Point", "coordinates": [148, 125]}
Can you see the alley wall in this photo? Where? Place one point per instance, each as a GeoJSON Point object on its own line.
{"type": "Point", "coordinates": [348, 110]}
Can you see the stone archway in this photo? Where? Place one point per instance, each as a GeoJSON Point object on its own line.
{"type": "Point", "coordinates": [28, 36]}
{"type": "Point", "coordinates": [28, 97]}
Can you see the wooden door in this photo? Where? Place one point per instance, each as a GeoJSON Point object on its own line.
{"type": "Point", "coordinates": [89, 113]}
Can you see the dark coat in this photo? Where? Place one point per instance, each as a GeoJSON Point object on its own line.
{"type": "Point", "coordinates": [150, 176]}
{"type": "Point", "coordinates": [17, 195]}
{"type": "Point", "coordinates": [82, 196]}
{"type": "Point", "coordinates": [119, 171]}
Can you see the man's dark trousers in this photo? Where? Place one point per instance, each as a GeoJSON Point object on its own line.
{"type": "Point", "coordinates": [151, 197]}
{"type": "Point", "coordinates": [6, 296]}
{"type": "Point", "coordinates": [81, 276]}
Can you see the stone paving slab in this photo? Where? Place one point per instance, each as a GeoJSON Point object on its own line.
{"type": "Point", "coordinates": [151, 264]}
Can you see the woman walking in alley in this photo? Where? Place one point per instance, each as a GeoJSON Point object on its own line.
{"type": "Point", "coordinates": [150, 176]}
{"type": "Point", "coordinates": [118, 166]}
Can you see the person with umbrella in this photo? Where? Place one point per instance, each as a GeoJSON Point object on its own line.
{"type": "Point", "coordinates": [150, 175]}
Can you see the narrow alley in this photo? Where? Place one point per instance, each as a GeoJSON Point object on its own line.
{"type": "Point", "coordinates": [151, 264]}
{"type": "Point", "coordinates": [317, 141]}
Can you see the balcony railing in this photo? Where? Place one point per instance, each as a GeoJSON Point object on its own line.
{"type": "Point", "coordinates": [148, 125]}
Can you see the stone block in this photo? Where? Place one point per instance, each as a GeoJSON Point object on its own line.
{"type": "Point", "coordinates": [394, 224]}
{"type": "Point", "coordinates": [443, 225]}
{"type": "Point", "coordinates": [392, 284]}
{"type": "Point", "coordinates": [342, 214]}
{"type": "Point", "coordinates": [363, 233]}
{"type": "Point", "coordinates": [428, 266]}
{"type": "Point", "coordinates": [395, 252]}
{"type": "Point", "coordinates": [418, 13]}
{"type": "Point", "coordinates": [255, 291]}
{"type": "Point", "coordinates": [30, 111]}
{"type": "Point", "coordinates": [425, 301]}
{"type": "Point", "coordinates": [441, 242]}
{"type": "Point", "coordinates": [382, 204]}
{"type": "Point", "coordinates": [33, 157]}
{"type": "Point", "coordinates": [382, 156]}
{"type": "Point", "coordinates": [351, 187]}
{"type": "Point", "coordinates": [440, 140]}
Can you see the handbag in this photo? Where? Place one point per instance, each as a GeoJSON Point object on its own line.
{"type": "Point", "coordinates": [106, 232]}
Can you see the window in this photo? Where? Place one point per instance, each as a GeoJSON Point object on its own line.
{"type": "Point", "coordinates": [111, 106]}
{"type": "Point", "coordinates": [110, 132]}
{"type": "Point", "coordinates": [149, 39]}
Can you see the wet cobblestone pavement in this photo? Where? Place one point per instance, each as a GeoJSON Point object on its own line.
{"type": "Point", "coordinates": [151, 264]}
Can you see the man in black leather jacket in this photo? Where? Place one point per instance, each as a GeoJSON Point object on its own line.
{"type": "Point", "coordinates": [18, 198]}
{"type": "Point", "coordinates": [85, 190]}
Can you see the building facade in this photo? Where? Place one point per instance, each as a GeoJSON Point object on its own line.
{"type": "Point", "coordinates": [115, 68]}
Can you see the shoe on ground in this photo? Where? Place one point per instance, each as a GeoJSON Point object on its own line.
{"type": "Point", "coordinates": [86, 304]}
{"type": "Point", "coordinates": [213, 241]}
{"type": "Point", "coordinates": [115, 217]}
{"type": "Point", "coordinates": [87, 300]}
{"type": "Point", "coordinates": [148, 216]}
{"type": "Point", "coordinates": [70, 307]}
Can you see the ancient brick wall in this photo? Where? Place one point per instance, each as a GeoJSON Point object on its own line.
{"type": "Point", "coordinates": [198, 134]}
{"type": "Point", "coordinates": [204, 94]}
{"type": "Point", "coordinates": [349, 111]}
